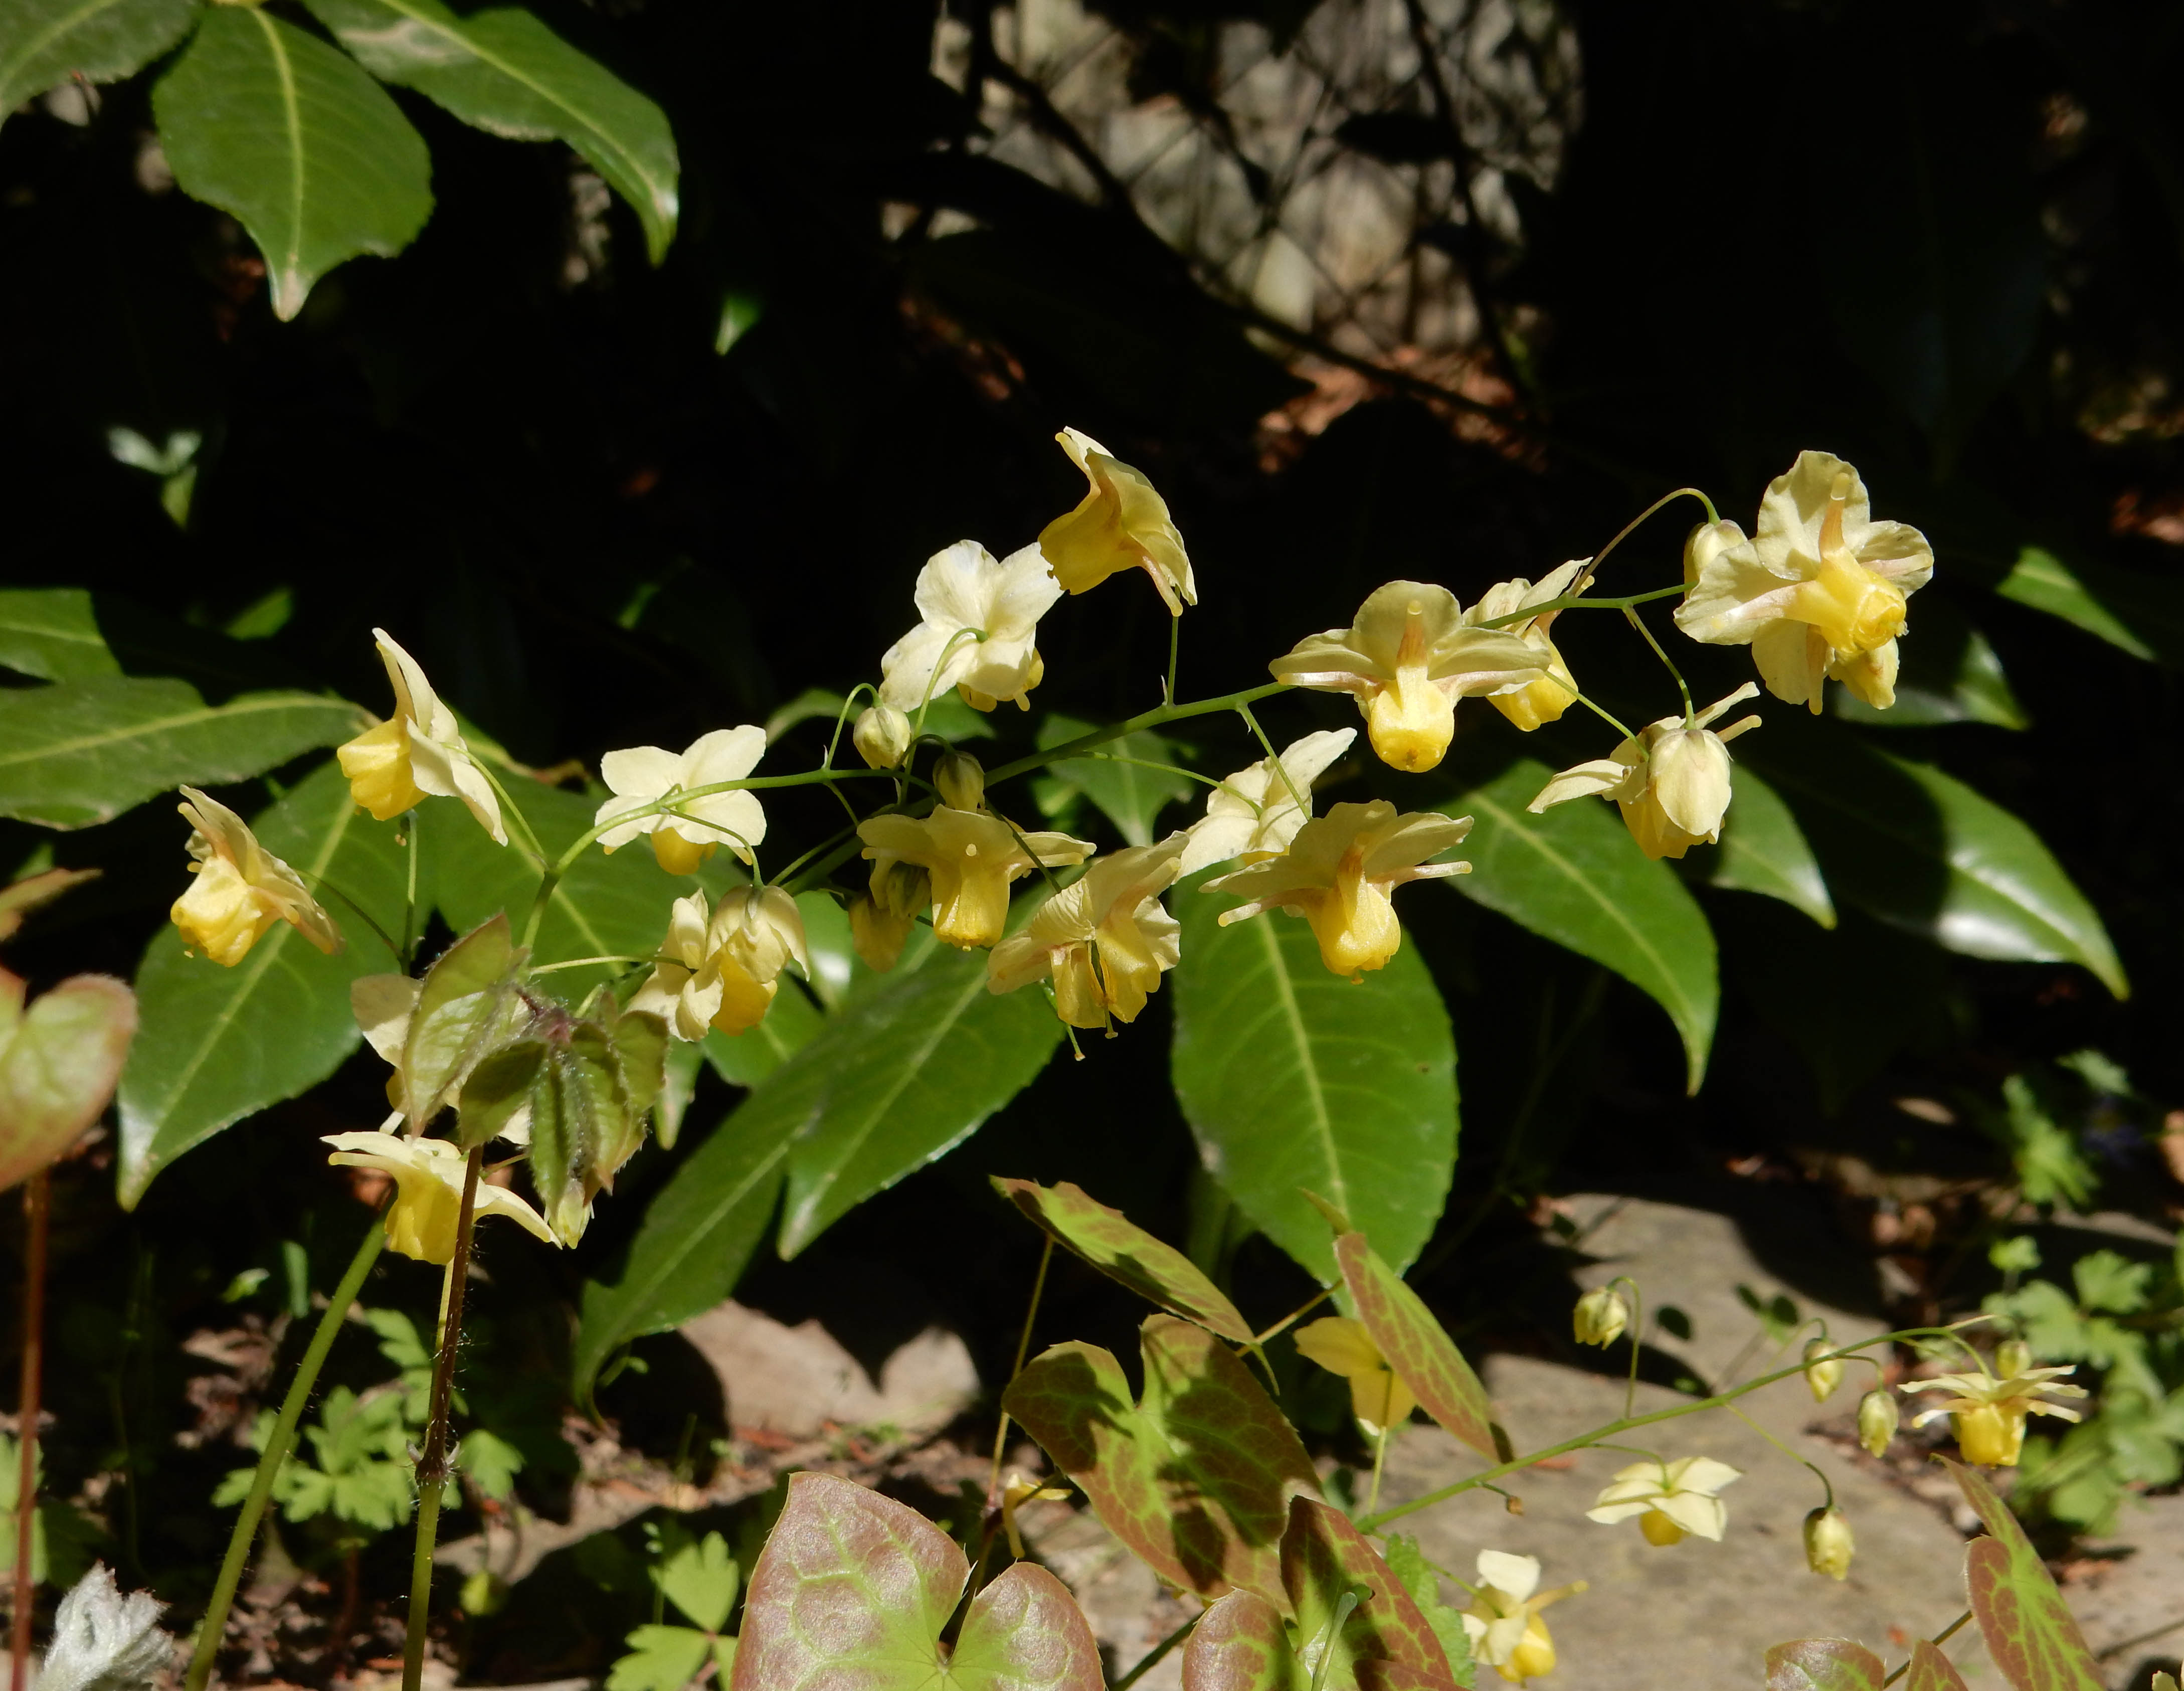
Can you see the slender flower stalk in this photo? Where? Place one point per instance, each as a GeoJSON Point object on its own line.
{"type": "Point", "coordinates": [36, 1191]}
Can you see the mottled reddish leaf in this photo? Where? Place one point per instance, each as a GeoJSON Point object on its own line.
{"type": "Point", "coordinates": [1823, 1665]}
{"type": "Point", "coordinates": [1123, 1251]}
{"type": "Point", "coordinates": [2029, 1629]}
{"type": "Point", "coordinates": [1416, 1346]}
{"type": "Point", "coordinates": [852, 1590]}
{"type": "Point", "coordinates": [1240, 1645]}
{"type": "Point", "coordinates": [1196, 1477]}
{"type": "Point", "coordinates": [59, 1062]}
{"type": "Point", "coordinates": [1385, 1642]}
{"type": "Point", "coordinates": [1931, 1670]}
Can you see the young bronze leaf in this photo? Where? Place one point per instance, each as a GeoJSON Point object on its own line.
{"type": "Point", "coordinates": [1385, 1640]}
{"type": "Point", "coordinates": [1240, 1646]}
{"type": "Point", "coordinates": [1823, 1665]}
{"type": "Point", "coordinates": [1931, 1670]}
{"type": "Point", "coordinates": [1195, 1478]}
{"type": "Point", "coordinates": [1415, 1345]}
{"type": "Point", "coordinates": [854, 1588]}
{"type": "Point", "coordinates": [59, 1062]}
{"type": "Point", "coordinates": [2029, 1629]}
{"type": "Point", "coordinates": [1125, 1252]}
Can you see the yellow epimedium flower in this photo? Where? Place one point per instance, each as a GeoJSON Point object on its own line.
{"type": "Point", "coordinates": [428, 1195]}
{"type": "Point", "coordinates": [1015, 1495]}
{"type": "Point", "coordinates": [1556, 691]}
{"type": "Point", "coordinates": [723, 971]}
{"type": "Point", "coordinates": [880, 921]}
{"type": "Point", "coordinates": [1256, 811]}
{"type": "Point", "coordinates": [1503, 1622]}
{"type": "Point", "coordinates": [1105, 938]}
{"type": "Point", "coordinates": [1407, 658]}
{"type": "Point", "coordinates": [1338, 874]}
{"type": "Point", "coordinates": [1121, 524]}
{"type": "Point", "coordinates": [1671, 781]}
{"type": "Point", "coordinates": [1829, 1543]}
{"type": "Point", "coordinates": [980, 618]}
{"type": "Point", "coordinates": [1669, 1499]}
{"type": "Point", "coordinates": [972, 857]}
{"type": "Point", "coordinates": [1378, 1396]}
{"type": "Point", "coordinates": [683, 839]}
{"type": "Point", "coordinates": [1818, 592]}
{"type": "Point", "coordinates": [1987, 1412]}
{"type": "Point", "coordinates": [419, 753]}
{"type": "Point", "coordinates": [239, 889]}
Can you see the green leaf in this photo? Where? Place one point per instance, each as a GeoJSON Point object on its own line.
{"type": "Point", "coordinates": [887, 1581]}
{"type": "Point", "coordinates": [50, 632]}
{"type": "Point", "coordinates": [1922, 851]}
{"type": "Point", "coordinates": [660, 1659]}
{"type": "Point", "coordinates": [59, 1062]}
{"type": "Point", "coordinates": [1196, 1477]}
{"type": "Point", "coordinates": [1293, 1077]}
{"type": "Point", "coordinates": [1385, 1639]}
{"type": "Point", "coordinates": [218, 1044]}
{"type": "Point", "coordinates": [1764, 851]}
{"type": "Point", "coordinates": [1408, 1564]}
{"type": "Point", "coordinates": [2029, 1629]}
{"type": "Point", "coordinates": [1116, 776]}
{"type": "Point", "coordinates": [746, 1059]}
{"type": "Point", "coordinates": [467, 1005]}
{"type": "Point", "coordinates": [491, 1462]}
{"type": "Point", "coordinates": [1126, 1252]}
{"type": "Point", "coordinates": [1931, 1670]}
{"type": "Point", "coordinates": [700, 1578]}
{"type": "Point", "coordinates": [1241, 1645]}
{"type": "Point", "coordinates": [1417, 1346]}
{"type": "Point", "coordinates": [900, 1076]}
{"type": "Point", "coordinates": [1950, 674]}
{"type": "Point", "coordinates": [1823, 1665]}
{"type": "Point", "coordinates": [287, 135]}
{"type": "Point", "coordinates": [1575, 876]}
{"type": "Point", "coordinates": [2135, 614]}
{"type": "Point", "coordinates": [44, 43]}
{"type": "Point", "coordinates": [2106, 1280]}
{"type": "Point", "coordinates": [503, 72]}
{"type": "Point", "coordinates": [81, 752]}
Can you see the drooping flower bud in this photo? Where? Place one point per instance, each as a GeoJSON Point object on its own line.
{"type": "Point", "coordinates": [1600, 1317]}
{"type": "Point", "coordinates": [882, 735]}
{"type": "Point", "coordinates": [2012, 1356]}
{"type": "Point", "coordinates": [1877, 1419]}
{"type": "Point", "coordinates": [1828, 1543]}
{"type": "Point", "coordinates": [961, 779]}
{"type": "Point", "coordinates": [1822, 1376]}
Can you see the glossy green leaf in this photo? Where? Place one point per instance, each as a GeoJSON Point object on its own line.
{"type": "Point", "coordinates": [1764, 851]}
{"type": "Point", "coordinates": [1931, 1670]}
{"type": "Point", "coordinates": [1922, 851]}
{"type": "Point", "coordinates": [1195, 1477]}
{"type": "Point", "coordinates": [81, 752]}
{"type": "Point", "coordinates": [215, 1045]}
{"type": "Point", "coordinates": [852, 1589]}
{"type": "Point", "coordinates": [1124, 1251]}
{"type": "Point", "coordinates": [1575, 876]}
{"type": "Point", "coordinates": [44, 43]}
{"type": "Point", "coordinates": [746, 1059]}
{"type": "Point", "coordinates": [898, 1077]}
{"type": "Point", "coordinates": [59, 1062]}
{"type": "Point", "coordinates": [1241, 1645]}
{"type": "Point", "coordinates": [503, 72]}
{"type": "Point", "coordinates": [1823, 1665]}
{"type": "Point", "coordinates": [2029, 1631]}
{"type": "Point", "coordinates": [287, 135]}
{"type": "Point", "coordinates": [1118, 778]}
{"type": "Point", "coordinates": [1416, 1345]}
{"type": "Point", "coordinates": [51, 632]}
{"type": "Point", "coordinates": [1292, 1077]}
{"type": "Point", "coordinates": [1385, 1638]}
{"type": "Point", "coordinates": [2133, 613]}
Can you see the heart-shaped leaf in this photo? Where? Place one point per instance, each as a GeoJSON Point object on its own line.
{"type": "Point", "coordinates": [2029, 1631]}
{"type": "Point", "coordinates": [1764, 851]}
{"type": "Point", "coordinates": [287, 135]}
{"type": "Point", "coordinates": [1823, 1665]}
{"type": "Point", "coordinates": [1195, 1477]}
{"type": "Point", "coordinates": [44, 43]}
{"type": "Point", "coordinates": [852, 1588]}
{"type": "Point", "coordinates": [1931, 1670]}
{"type": "Point", "coordinates": [1416, 1346]}
{"type": "Point", "coordinates": [1241, 1645]}
{"type": "Point", "coordinates": [59, 1062]}
{"type": "Point", "coordinates": [1384, 1641]}
{"type": "Point", "coordinates": [1124, 1251]}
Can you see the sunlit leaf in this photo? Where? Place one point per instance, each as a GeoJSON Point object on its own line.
{"type": "Point", "coordinates": [2029, 1629]}
{"type": "Point", "coordinates": [50, 632]}
{"type": "Point", "coordinates": [1931, 1670]}
{"type": "Point", "coordinates": [1242, 1645]}
{"type": "Point", "coordinates": [1764, 851]}
{"type": "Point", "coordinates": [44, 43]}
{"type": "Point", "coordinates": [218, 1044]}
{"type": "Point", "coordinates": [700, 1578]}
{"type": "Point", "coordinates": [59, 1062]}
{"type": "Point", "coordinates": [287, 135]}
{"type": "Point", "coordinates": [746, 1059]}
{"type": "Point", "coordinates": [1292, 1077]}
{"type": "Point", "coordinates": [2133, 613]}
{"type": "Point", "coordinates": [81, 752]}
{"type": "Point", "coordinates": [1196, 1477]}
{"type": "Point", "coordinates": [854, 1588]}
{"type": "Point", "coordinates": [1409, 1565]}
{"type": "Point", "coordinates": [467, 1005]}
{"type": "Point", "coordinates": [1823, 1665]}
{"type": "Point", "coordinates": [1124, 1251]}
{"type": "Point", "coordinates": [1384, 1639]}
{"type": "Point", "coordinates": [1575, 876]}
{"type": "Point", "coordinates": [661, 1657]}
{"type": "Point", "coordinates": [1950, 674]}
{"type": "Point", "coordinates": [1416, 1345]}
{"type": "Point", "coordinates": [503, 72]}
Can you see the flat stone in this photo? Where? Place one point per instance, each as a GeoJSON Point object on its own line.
{"type": "Point", "coordinates": [798, 1381]}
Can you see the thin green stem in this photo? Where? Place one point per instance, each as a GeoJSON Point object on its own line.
{"type": "Point", "coordinates": [1168, 769]}
{"type": "Point", "coordinates": [1379, 1458]}
{"type": "Point", "coordinates": [1174, 646]}
{"type": "Point", "coordinates": [512, 812]}
{"type": "Point", "coordinates": [1637, 1338]}
{"type": "Point", "coordinates": [1600, 557]}
{"type": "Point", "coordinates": [1826, 1484]}
{"type": "Point", "coordinates": [1153, 1657]}
{"type": "Point", "coordinates": [1144, 719]}
{"type": "Point", "coordinates": [933, 681]}
{"type": "Point", "coordinates": [1646, 634]}
{"type": "Point", "coordinates": [1571, 601]}
{"type": "Point", "coordinates": [586, 962]}
{"type": "Point", "coordinates": [1294, 1315]}
{"type": "Point", "coordinates": [1303, 803]}
{"type": "Point", "coordinates": [363, 915]}
{"type": "Point", "coordinates": [1023, 1350]}
{"type": "Point", "coordinates": [1937, 1641]}
{"type": "Point", "coordinates": [412, 929]}
{"type": "Point", "coordinates": [277, 1446]}
{"type": "Point", "coordinates": [1611, 721]}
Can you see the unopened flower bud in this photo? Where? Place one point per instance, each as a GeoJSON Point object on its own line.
{"type": "Point", "coordinates": [877, 934]}
{"type": "Point", "coordinates": [961, 779]}
{"type": "Point", "coordinates": [1828, 1543]}
{"type": "Point", "coordinates": [1877, 1419]}
{"type": "Point", "coordinates": [1513, 1503]}
{"type": "Point", "coordinates": [2011, 1356]}
{"type": "Point", "coordinates": [1600, 1317]}
{"type": "Point", "coordinates": [1822, 1376]}
{"type": "Point", "coordinates": [882, 735]}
